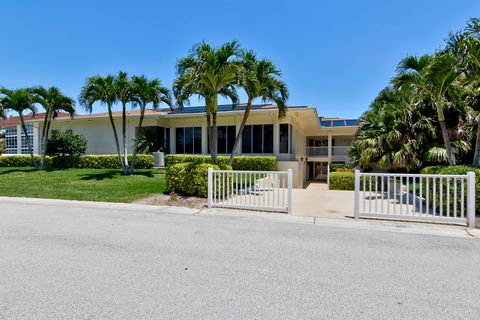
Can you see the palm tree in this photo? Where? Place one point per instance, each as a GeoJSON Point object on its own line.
{"type": "Point", "coordinates": [259, 79]}
{"type": "Point", "coordinates": [125, 92]}
{"type": "Point", "coordinates": [208, 72]}
{"type": "Point", "coordinates": [20, 100]}
{"type": "Point", "coordinates": [147, 92]}
{"type": "Point", "coordinates": [103, 90]}
{"type": "Point", "coordinates": [435, 77]}
{"type": "Point", "coordinates": [53, 101]}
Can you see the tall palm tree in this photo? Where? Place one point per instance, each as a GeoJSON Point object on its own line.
{"type": "Point", "coordinates": [53, 101]}
{"type": "Point", "coordinates": [208, 72]}
{"type": "Point", "coordinates": [435, 77]}
{"type": "Point", "coordinates": [125, 94]}
{"type": "Point", "coordinates": [147, 92]}
{"type": "Point", "coordinates": [20, 100]}
{"type": "Point", "coordinates": [103, 90]}
{"type": "Point", "coordinates": [259, 79]}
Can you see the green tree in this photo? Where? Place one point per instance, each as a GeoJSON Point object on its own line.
{"type": "Point", "coordinates": [208, 72]}
{"type": "Point", "coordinates": [436, 78]}
{"type": "Point", "coordinates": [260, 79]}
{"type": "Point", "coordinates": [103, 90]}
{"type": "Point", "coordinates": [53, 101]}
{"type": "Point", "coordinates": [66, 142]}
{"type": "Point", "coordinates": [147, 92]}
{"type": "Point", "coordinates": [20, 101]}
{"type": "Point", "coordinates": [125, 94]}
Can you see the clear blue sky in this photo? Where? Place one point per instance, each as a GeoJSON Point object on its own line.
{"type": "Point", "coordinates": [335, 55]}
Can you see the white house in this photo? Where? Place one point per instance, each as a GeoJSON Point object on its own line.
{"type": "Point", "coordinates": [301, 140]}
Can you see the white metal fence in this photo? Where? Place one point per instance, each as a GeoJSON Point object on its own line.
{"type": "Point", "coordinates": [430, 197]}
{"type": "Point", "coordinates": [255, 190]}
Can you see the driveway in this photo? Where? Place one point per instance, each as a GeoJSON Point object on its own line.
{"type": "Point", "coordinates": [317, 201]}
{"type": "Point", "coordinates": [69, 260]}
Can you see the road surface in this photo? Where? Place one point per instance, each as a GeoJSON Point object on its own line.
{"type": "Point", "coordinates": [63, 261]}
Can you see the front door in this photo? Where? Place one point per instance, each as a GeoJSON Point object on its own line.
{"type": "Point", "coordinates": [317, 170]}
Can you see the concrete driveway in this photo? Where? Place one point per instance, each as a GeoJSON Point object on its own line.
{"type": "Point", "coordinates": [317, 201]}
{"type": "Point", "coordinates": [73, 260]}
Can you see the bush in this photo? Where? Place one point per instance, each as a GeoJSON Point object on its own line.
{"type": "Point", "coordinates": [191, 178]}
{"type": "Point", "coordinates": [2, 147]}
{"type": "Point", "coordinates": [342, 181]}
{"type": "Point", "coordinates": [251, 163]}
{"type": "Point", "coordinates": [66, 142]}
{"type": "Point", "coordinates": [21, 161]}
{"type": "Point", "coordinates": [144, 161]}
{"type": "Point", "coordinates": [444, 169]}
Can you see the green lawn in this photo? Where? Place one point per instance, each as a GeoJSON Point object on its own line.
{"type": "Point", "coordinates": [81, 184]}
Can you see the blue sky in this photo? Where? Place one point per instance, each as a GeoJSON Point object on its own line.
{"type": "Point", "coordinates": [335, 55]}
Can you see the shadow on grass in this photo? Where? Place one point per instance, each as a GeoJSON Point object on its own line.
{"type": "Point", "coordinates": [12, 170]}
{"type": "Point", "coordinates": [111, 174]}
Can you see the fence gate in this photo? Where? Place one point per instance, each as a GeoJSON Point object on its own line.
{"type": "Point", "coordinates": [428, 197]}
{"type": "Point", "coordinates": [254, 190]}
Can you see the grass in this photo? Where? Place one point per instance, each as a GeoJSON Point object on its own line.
{"type": "Point", "coordinates": [81, 184]}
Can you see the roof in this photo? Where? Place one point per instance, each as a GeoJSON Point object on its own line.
{"type": "Point", "coordinates": [338, 122]}
{"type": "Point", "coordinates": [13, 121]}
{"type": "Point", "coordinates": [230, 107]}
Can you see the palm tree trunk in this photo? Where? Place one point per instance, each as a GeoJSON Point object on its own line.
{"type": "Point", "coordinates": [214, 143]}
{"type": "Point", "coordinates": [137, 134]}
{"type": "Point", "coordinates": [126, 169]}
{"type": "Point", "coordinates": [43, 141]}
{"type": "Point", "coordinates": [476, 155]}
{"type": "Point", "coordinates": [115, 136]}
{"type": "Point", "coordinates": [29, 145]}
{"type": "Point", "coordinates": [446, 138]}
{"type": "Point", "coordinates": [240, 131]}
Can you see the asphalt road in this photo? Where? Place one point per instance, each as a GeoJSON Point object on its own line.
{"type": "Point", "coordinates": [71, 262]}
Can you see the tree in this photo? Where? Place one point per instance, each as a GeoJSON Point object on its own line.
{"type": "Point", "coordinates": [147, 92]}
{"type": "Point", "coordinates": [208, 72]}
{"type": "Point", "coordinates": [259, 79]}
{"type": "Point", "coordinates": [103, 90]}
{"type": "Point", "coordinates": [436, 77]}
{"type": "Point", "coordinates": [66, 142]}
{"type": "Point", "coordinates": [125, 94]}
{"type": "Point", "coordinates": [53, 101]}
{"type": "Point", "coordinates": [20, 100]}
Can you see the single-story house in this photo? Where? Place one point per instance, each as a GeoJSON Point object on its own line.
{"type": "Point", "coordinates": [301, 140]}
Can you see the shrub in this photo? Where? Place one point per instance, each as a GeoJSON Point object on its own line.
{"type": "Point", "coordinates": [144, 161]}
{"type": "Point", "coordinates": [444, 169]}
{"type": "Point", "coordinates": [342, 181]}
{"type": "Point", "coordinates": [251, 163]}
{"type": "Point", "coordinates": [191, 178]}
{"type": "Point", "coordinates": [21, 161]}
{"type": "Point", "coordinates": [2, 147]}
{"type": "Point", "coordinates": [66, 142]}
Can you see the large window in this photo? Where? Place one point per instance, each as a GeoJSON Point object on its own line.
{"type": "Point", "coordinates": [285, 138]}
{"type": "Point", "coordinates": [25, 149]}
{"type": "Point", "coordinates": [11, 140]}
{"type": "Point", "coordinates": [257, 139]}
{"type": "Point", "coordinates": [189, 140]}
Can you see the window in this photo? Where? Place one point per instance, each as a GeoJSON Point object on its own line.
{"type": "Point", "coordinates": [285, 138]}
{"type": "Point", "coordinates": [25, 149]}
{"type": "Point", "coordinates": [189, 140]}
{"type": "Point", "coordinates": [257, 139]}
{"type": "Point", "coordinates": [11, 140]}
{"type": "Point", "coordinates": [225, 139]}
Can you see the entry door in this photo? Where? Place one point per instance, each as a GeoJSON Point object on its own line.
{"type": "Point", "coordinates": [320, 170]}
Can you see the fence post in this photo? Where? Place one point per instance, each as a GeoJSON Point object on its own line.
{"type": "Point", "coordinates": [471, 199]}
{"type": "Point", "coordinates": [210, 187]}
{"type": "Point", "coordinates": [289, 183]}
{"type": "Point", "coordinates": [356, 210]}
{"type": "Point", "coordinates": [328, 176]}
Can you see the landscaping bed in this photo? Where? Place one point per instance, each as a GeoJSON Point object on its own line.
{"type": "Point", "coordinates": [81, 184]}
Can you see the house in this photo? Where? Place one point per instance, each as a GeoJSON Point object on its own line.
{"type": "Point", "coordinates": [301, 140]}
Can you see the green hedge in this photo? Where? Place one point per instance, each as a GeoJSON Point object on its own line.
{"type": "Point", "coordinates": [251, 163]}
{"type": "Point", "coordinates": [444, 169]}
{"type": "Point", "coordinates": [21, 161]}
{"type": "Point", "coordinates": [342, 181]}
{"type": "Point", "coordinates": [144, 161]}
{"type": "Point", "coordinates": [191, 178]}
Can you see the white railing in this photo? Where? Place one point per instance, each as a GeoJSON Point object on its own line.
{"type": "Point", "coordinates": [255, 190]}
{"type": "Point", "coordinates": [429, 197]}
{"type": "Point", "coordinates": [337, 151]}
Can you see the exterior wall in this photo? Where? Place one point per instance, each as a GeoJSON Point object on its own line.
{"type": "Point", "coordinates": [299, 170]}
